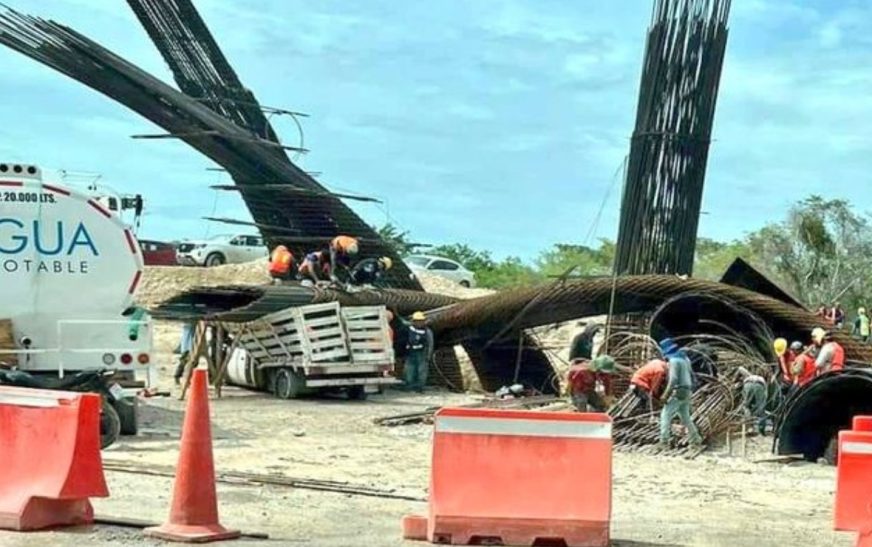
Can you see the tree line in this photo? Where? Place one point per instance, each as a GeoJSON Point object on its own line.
{"type": "Point", "coordinates": [820, 252]}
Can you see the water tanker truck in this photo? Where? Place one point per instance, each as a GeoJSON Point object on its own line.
{"type": "Point", "coordinates": [69, 268]}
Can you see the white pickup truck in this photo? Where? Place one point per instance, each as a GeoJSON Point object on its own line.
{"type": "Point", "coordinates": [221, 250]}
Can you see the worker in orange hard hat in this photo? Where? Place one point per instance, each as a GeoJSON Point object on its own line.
{"type": "Point", "coordinates": [831, 354]}
{"type": "Point", "coordinates": [342, 248]}
{"type": "Point", "coordinates": [281, 264]}
{"type": "Point", "coordinates": [370, 270]}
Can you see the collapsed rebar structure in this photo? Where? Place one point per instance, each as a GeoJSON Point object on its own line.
{"type": "Point", "coordinates": [666, 168]}
{"type": "Point", "coordinates": [215, 114]}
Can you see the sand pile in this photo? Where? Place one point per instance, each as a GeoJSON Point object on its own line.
{"type": "Point", "coordinates": [162, 282]}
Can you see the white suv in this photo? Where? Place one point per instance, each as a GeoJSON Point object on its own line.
{"type": "Point", "coordinates": [221, 250]}
{"type": "Point", "coordinates": [442, 267]}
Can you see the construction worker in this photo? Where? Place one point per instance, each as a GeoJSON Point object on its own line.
{"type": "Point", "coordinates": [830, 355]}
{"type": "Point", "coordinates": [803, 369]}
{"type": "Point", "coordinates": [837, 315]}
{"type": "Point", "coordinates": [370, 270]}
{"type": "Point", "coordinates": [648, 379]}
{"type": "Point", "coordinates": [419, 347]}
{"type": "Point", "coordinates": [186, 345]}
{"type": "Point", "coordinates": [754, 395]}
{"type": "Point", "coordinates": [677, 395]}
{"type": "Point", "coordinates": [281, 263]}
{"type": "Point", "coordinates": [861, 325]}
{"type": "Point", "coordinates": [785, 359]}
{"type": "Point", "coordinates": [582, 382]}
{"type": "Point", "coordinates": [581, 346]}
{"type": "Point", "coordinates": [342, 248]}
{"type": "Point", "coordinates": [314, 264]}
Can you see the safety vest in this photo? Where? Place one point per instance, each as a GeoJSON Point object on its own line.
{"type": "Point", "coordinates": [417, 339]}
{"type": "Point", "coordinates": [838, 362]}
{"type": "Point", "coordinates": [864, 325]}
{"type": "Point", "coordinates": [342, 243]}
{"type": "Point", "coordinates": [786, 361]}
{"type": "Point", "coordinates": [281, 261]}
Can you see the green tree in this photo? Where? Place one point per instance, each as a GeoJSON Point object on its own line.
{"type": "Point", "coordinates": [473, 260]}
{"type": "Point", "coordinates": [396, 238]}
{"type": "Point", "coordinates": [589, 261]}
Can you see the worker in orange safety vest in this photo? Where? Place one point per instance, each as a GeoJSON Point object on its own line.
{"type": "Point", "coordinates": [342, 248]}
{"type": "Point", "coordinates": [803, 369]}
{"type": "Point", "coordinates": [281, 264]}
{"type": "Point", "coordinates": [830, 355]}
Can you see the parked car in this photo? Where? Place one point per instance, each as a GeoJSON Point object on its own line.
{"type": "Point", "coordinates": [442, 267]}
{"type": "Point", "coordinates": [221, 250]}
{"type": "Point", "coordinates": [157, 253]}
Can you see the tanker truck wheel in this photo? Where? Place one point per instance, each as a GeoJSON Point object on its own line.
{"type": "Point", "coordinates": [128, 413]}
{"type": "Point", "coordinates": [288, 384]}
{"type": "Point", "coordinates": [215, 259]}
{"type": "Point", "coordinates": [110, 424]}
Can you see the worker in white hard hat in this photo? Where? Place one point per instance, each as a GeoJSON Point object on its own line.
{"type": "Point", "coordinates": [369, 271]}
{"type": "Point", "coordinates": [830, 355]}
{"type": "Point", "coordinates": [419, 351]}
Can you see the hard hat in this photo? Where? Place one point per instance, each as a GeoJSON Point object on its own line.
{"type": "Point", "coordinates": [818, 334]}
{"type": "Point", "coordinates": [386, 260]}
{"type": "Point", "coordinates": [861, 311]}
{"type": "Point", "coordinates": [669, 348]}
{"type": "Point", "coordinates": [780, 346]}
{"type": "Point", "coordinates": [419, 316]}
{"type": "Point", "coordinates": [352, 248]}
{"type": "Point", "coordinates": [281, 248]}
{"type": "Point", "coordinates": [796, 346]}
{"type": "Point", "coordinates": [604, 364]}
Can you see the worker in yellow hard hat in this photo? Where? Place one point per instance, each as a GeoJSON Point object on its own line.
{"type": "Point", "coordinates": [369, 271]}
{"type": "Point", "coordinates": [419, 351]}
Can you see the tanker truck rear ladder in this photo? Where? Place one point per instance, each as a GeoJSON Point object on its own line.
{"type": "Point", "coordinates": [315, 347]}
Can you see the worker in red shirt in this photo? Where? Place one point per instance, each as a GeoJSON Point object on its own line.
{"type": "Point", "coordinates": [281, 264]}
{"type": "Point", "coordinates": [830, 355]}
{"type": "Point", "coordinates": [648, 379]}
{"type": "Point", "coordinates": [582, 381]}
{"type": "Point", "coordinates": [803, 369]}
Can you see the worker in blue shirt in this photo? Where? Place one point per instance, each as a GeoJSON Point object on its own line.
{"type": "Point", "coordinates": [677, 395]}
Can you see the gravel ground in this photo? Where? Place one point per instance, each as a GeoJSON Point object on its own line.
{"type": "Point", "coordinates": [713, 500]}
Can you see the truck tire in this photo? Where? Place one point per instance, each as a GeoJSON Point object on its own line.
{"type": "Point", "coordinates": [215, 259]}
{"type": "Point", "coordinates": [288, 384]}
{"type": "Point", "coordinates": [357, 393]}
{"type": "Point", "coordinates": [128, 412]}
{"type": "Point", "coordinates": [465, 284]}
{"type": "Point", "coordinates": [110, 425]}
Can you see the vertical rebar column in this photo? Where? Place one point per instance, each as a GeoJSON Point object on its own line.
{"type": "Point", "coordinates": [666, 169]}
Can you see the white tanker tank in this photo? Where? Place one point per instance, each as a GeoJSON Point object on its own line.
{"type": "Point", "coordinates": [68, 272]}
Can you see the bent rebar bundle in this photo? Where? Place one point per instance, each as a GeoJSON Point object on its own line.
{"type": "Point", "coordinates": [218, 117]}
{"type": "Point", "coordinates": [666, 168]}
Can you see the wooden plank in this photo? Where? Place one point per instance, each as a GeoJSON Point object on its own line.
{"type": "Point", "coordinates": [194, 358]}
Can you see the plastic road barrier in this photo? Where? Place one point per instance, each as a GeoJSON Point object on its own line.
{"type": "Point", "coordinates": [50, 454]}
{"type": "Point", "coordinates": [853, 507]}
{"type": "Point", "coordinates": [518, 477]}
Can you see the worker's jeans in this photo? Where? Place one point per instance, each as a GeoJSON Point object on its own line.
{"type": "Point", "coordinates": [583, 402]}
{"type": "Point", "coordinates": [678, 405]}
{"type": "Point", "coordinates": [754, 403]}
{"type": "Point", "coordinates": [416, 369]}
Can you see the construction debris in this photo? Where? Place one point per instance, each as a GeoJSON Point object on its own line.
{"type": "Point", "coordinates": [426, 416]}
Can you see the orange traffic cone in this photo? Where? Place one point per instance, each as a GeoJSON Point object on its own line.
{"type": "Point", "coordinates": [194, 512]}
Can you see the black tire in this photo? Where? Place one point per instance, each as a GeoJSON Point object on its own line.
{"type": "Point", "coordinates": [357, 393]}
{"type": "Point", "coordinates": [110, 425]}
{"type": "Point", "coordinates": [128, 412]}
{"type": "Point", "coordinates": [215, 259]}
{"type": "Point", "coordinates": [465, 284]}
{"type": "Point", "coordinates": [288, 384]}
{"type": "Point", "coordinates": [831, 454]}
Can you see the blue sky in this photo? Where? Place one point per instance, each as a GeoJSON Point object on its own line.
{"type": "Point", "coordinates": [500, 124]}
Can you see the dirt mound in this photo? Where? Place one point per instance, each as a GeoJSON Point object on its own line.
{"type": "Point", "coordinates": [161, 282]}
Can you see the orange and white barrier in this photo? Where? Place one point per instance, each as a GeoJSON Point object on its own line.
{"type": "Point", "coordinates": [862, 423]}
{"type": "Point", "coordinates": [853, 505]}
{"type": "Point", "coordinates": [518, 477]}
{"type": "Point", "coordinates": [50, 461]}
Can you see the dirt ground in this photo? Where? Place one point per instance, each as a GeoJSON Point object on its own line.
{"type": "Point", "coordinates": [714, 500]}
